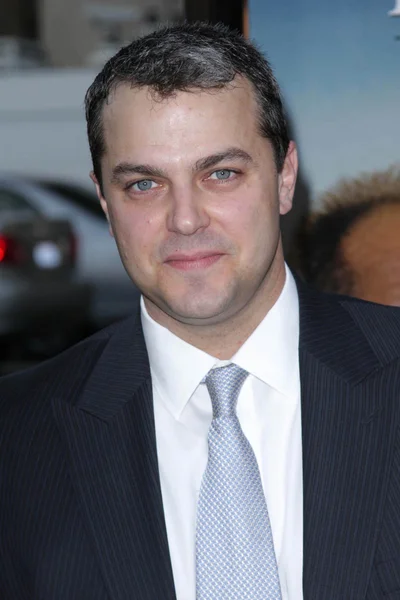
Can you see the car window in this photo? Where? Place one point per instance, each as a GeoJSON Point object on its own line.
{"type": "Point", "coordinates": [76, 195]}
{"type": "Point", "coordinates": [12, 201]}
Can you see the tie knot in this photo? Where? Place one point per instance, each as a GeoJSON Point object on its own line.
{"type": "Point", "coordinates": [224, 385]}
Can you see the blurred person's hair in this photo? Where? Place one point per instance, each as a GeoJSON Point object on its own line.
{"type": "Point", "coordinates": [188, 57]}
{"type": "Point", "coordinates": [318, 256]}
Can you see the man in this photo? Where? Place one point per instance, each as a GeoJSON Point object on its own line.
{"type": "Point", "coordinates": [237, 437]}
{"type": "Point", "coordinates": [352, 245]}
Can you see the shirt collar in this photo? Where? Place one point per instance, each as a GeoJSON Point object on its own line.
{"type": "Point", "coordinates": [270, 353]}
{"type": "Point", "coordinates": [176, 367]}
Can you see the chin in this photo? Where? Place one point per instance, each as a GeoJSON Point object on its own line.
{"type": "Point", "coordinates": [197, 311]}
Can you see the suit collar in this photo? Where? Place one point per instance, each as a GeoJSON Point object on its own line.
{"type": "Point", "coordinates": [120, 371]}
{"type": "Point", "coordinates": [331, 335]}
{"type": "Point", "coordinates": [109, 435]}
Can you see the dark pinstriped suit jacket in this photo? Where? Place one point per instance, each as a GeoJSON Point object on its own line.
{"type": "Point", "coordinates": [81, 514]}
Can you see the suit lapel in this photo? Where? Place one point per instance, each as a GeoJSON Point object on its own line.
{"type": "Point", "coordinates": [110, 438]}
{"type": "Point", "coordinates": [347, 445]}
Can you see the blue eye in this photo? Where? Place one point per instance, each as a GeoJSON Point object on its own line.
{"type": "Point", "coordinates": [221, 174]}
{"type": "Point", "coordinates": [143, 185]}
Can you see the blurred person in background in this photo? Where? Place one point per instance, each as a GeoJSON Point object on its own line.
{"type": "Point", "coordinates": [352, 245]}
{"type": "Point", "coordinates": [236, 437]}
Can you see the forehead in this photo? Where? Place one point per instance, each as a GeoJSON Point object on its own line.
{"type": "Point", "coordinates": [195, 120]}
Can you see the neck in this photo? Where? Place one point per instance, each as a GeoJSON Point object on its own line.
{"type": "Point", "coordinates": [223, 339]}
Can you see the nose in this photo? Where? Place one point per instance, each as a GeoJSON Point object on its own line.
{"type": "Point", "coordinates": [187, 213]}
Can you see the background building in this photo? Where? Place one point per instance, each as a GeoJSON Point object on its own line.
{"type": "Point", "coordinates": [77, 33]}
{"type": "Point", "coordinates": [86, 32]}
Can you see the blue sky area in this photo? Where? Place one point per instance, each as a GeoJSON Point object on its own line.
{"type": "Point", "coordinates": [338, 64]}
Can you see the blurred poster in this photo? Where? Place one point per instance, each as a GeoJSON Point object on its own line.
{"type": "Point", "coordinates": [338, 63]}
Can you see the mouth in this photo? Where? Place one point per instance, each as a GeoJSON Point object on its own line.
{"type": "Point", "coordinates": [191, 262]}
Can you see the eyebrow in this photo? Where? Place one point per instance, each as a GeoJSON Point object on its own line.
{"type": "Point", "coordinates": [126, 168]}
{"type": "Point", "coordinates": [229, 154]}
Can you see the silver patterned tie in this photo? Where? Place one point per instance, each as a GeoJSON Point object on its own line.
{"type": "Point", "coordinates": [235, 557]}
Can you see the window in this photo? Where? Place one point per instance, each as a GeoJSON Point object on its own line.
{"type": "Point", "coordinates": [75, 194]}
{"type": "Point", "coordinates": [13, 202]}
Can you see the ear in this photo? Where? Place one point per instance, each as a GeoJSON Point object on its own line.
{"type": "Point", "coordinates": [102, 200]}
{"type": "Point", "coordinates": [287, 179]}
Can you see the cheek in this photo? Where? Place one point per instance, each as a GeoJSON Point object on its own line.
{"type": "Point", "coordinates": [137, 238]}
{"type": "Point", "coordinates": [257, 226]}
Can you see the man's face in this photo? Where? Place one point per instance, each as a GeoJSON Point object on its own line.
{"type": "Point", "coordinates": [371, 249]}
{"type": "Point", "coordinates": [193, 198]}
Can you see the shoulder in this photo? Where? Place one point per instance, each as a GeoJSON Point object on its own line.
{"type": "Point", "coordinates": [63, 375]}
{"type": "Point", "coordinates": [360, 310]}
{"type": "Point", "coordinates": [346, 325]}
{"type": "Point", "coordinates": [379, 323]}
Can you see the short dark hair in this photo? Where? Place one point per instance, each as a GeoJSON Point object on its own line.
{"type": "Point", "coordinates": [184, 57]}
{"type": "Point", "coordinates": [319, 254]}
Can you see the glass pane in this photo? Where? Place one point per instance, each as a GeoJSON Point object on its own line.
{"type": "Point", "coordinates": [10, 201]}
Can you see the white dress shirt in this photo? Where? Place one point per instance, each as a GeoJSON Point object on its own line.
{"type": "Point", "coordinates": [269, 413]}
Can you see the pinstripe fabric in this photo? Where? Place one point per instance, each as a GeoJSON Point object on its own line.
{"type": "Point", "coordinates": [350, 429]}
{"type": "Point", "coordinates": [80, 503]}
{"type": "Point", "coordinates": [42, 535]}
{"type": "Point", "coordinates": [387, 560]}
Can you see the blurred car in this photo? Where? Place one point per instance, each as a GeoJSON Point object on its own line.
{"type": "Point", "coordinates": [41, 299]}
{"type": "Point", "coordinates": [98, 261]}
{"type": "Point", "coordinates": [75, 194]}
